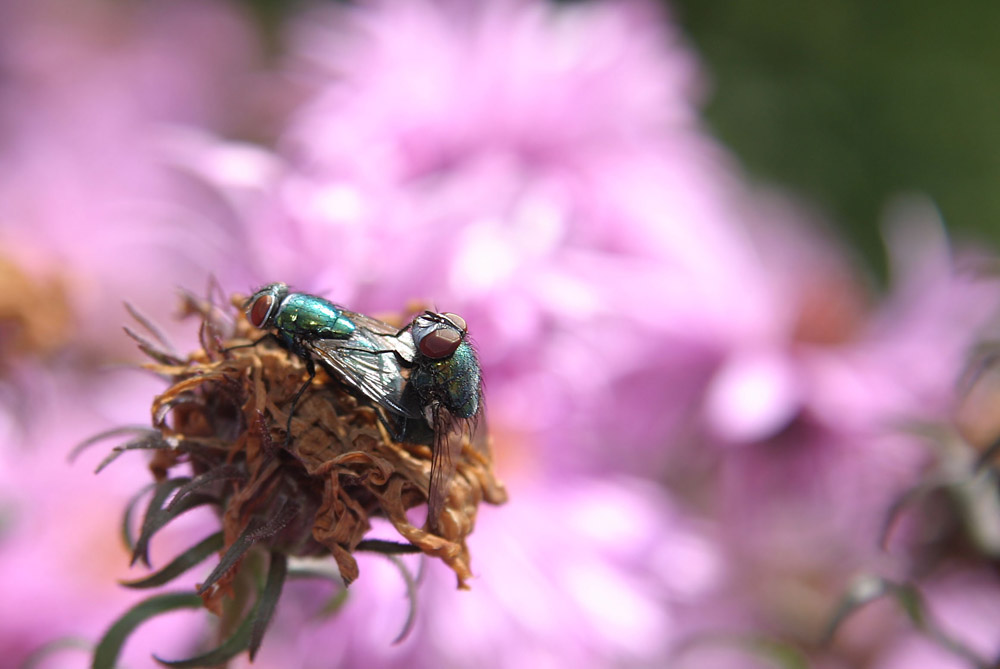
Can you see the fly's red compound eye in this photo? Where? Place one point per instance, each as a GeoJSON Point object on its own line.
{"type": "Point", "coordinates": [257, 314]}
{"type": "Point", "coordinates": [457, 321]}
{"type": "Point", "coordinates": [440, 343]}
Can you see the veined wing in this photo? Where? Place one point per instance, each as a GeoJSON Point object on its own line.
{"type": "Point", "coordinates": [479, 436]}
{"type": "Point", "coordinates": [365, 364]}
{"type": "Point", "coordinates": [449, 434]}
{"type": "Point", "coordinates": [389, 337]}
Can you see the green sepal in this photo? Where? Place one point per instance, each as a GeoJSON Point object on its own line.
{"type": "Point", "coordinates": [864, 590]}
{"type": "Point", "coordinates": [153, 520]}
{"type": "Point", "coordinates": [151, 442]}
{"type": "Point", "coordinates": [127, 537]}
{"type": "Point", "coordinates": [411, 596]}
{"type": "Point", "coordinates": [110, 645]}
{"type": "Point", "coordinates": [337, 600]}
{"type": "Point", "coordinates": [276, 573]}
{"type": "Point", "coordinates": [869, 588]}
{"type": "Point", "coordinates": [181, 563]}
{"type": "Point", "coordinates": [907, 499]}
{"type": "Point", "coordinates": [255, 531]}
{"type": "Point", "coordinates": [153, 330]}
{"type": "Point", "coordinates": [250, 633]}
{"type": "Point", "coordinates": [220, 473]}
{"type": "Point", "coordinates": [230, 648]}
{"type": "Point", "coordinates": [42, 656]}
{"type": "Point", "coordinates": [107, 434]}
{"type": "Point", "coordinates": [780, 654]}
{"type": "Point", "coordinates": [150, 349]}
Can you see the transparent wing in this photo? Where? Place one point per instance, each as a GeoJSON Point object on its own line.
{"type": "Point", "coordinates": [479, 436]}
{"type": "Point", "coordinates": [389, 337]}
{"type": "Point", "coordinates": [365, 364]}
{"type": "Point", "coordinates": [448, 436]}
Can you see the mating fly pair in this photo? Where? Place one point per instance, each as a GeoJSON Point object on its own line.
{"type": "Point", "coordinates": [424, 378]}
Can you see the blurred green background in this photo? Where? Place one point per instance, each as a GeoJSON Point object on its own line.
{"type": "Point", "coordinates": [849, 102]}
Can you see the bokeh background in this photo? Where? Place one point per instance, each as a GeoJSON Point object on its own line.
{"type": "Point", "coordinates": [729, 267]}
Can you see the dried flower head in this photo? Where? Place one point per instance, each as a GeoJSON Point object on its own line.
{"type": "Point", "coordinates": [24, 328]}
{"type": "Point", "coordinates": [308, 492]}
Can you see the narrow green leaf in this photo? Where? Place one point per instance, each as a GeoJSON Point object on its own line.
{"type": "Point", "coordinates": [335, 603]}
{"type": "Point", "coordinates": [908, 498]}
{"type": "Point", "coordinates": [869, 588]}
{"type": "Point", "coordinates": [107, 434]}
{"type": "Point", "coordinates": [214, 474]}
{"type": "Point", "coordinates": [777, 653]}
{"type": "Point", "coordinates": [40, 656]}
{"type": "Point", "coordinates": [338, 598]}
{"type": "Point", "coordinates": [152, 329]}
{"type": "Point", "coordinates": [150, 442]}
{"type": "Point", "coordinates": [230, 648]}
{"type": "Point", "coordinates": [301, 573]}
{"type": "Point", "coordinates": [153, 520]}
{"type": "Point", "coordinates": [863, 590]}
{"type": "Point", "coordinates": [150, 349]}
{"type": "Point", "coordinates": [180, 564]}
{"type": "Point", "coordinates": [110, 645]}
{"type": "Point", "coordinates": [987, 456]}
{"type": "Point", "coordinates": [255, 531]}
{"type": "Point", "coordinates": [912, 603]}
{"type": "Point", "coordinates": [268, 601]}
{"type": "Point", "coordinates": [127, 537]}
{"type": "Point", "coordinates": [411, 596]}
{"type": "Point", "coordinates": [784, 655]}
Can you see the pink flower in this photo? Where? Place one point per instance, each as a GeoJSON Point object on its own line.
{"type": "Point", "coordinates": [60, 546]}
{"type": "Point", "coordinates": [963, 605]}
{"type": "Point", "coordinates": [89, 217]}
{"type": "Point", "coordinates": [598, 256]}
{"type": "Point", "coordinates": [85, 200]}
{"type": "Point", "coordinates": [816, 423]}
{"type": "Point", "coordinates": [595, 262]}
{"type": "Point", "coordinates": [587, 572]}
{"type": "Point", "coordinates": [638, 309]}
{"type": "Point", "coordinates": [696, 405]}
{"type": "Point", "coordinates": [825, 423]}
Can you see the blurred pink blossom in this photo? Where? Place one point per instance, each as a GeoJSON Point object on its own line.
{"type": "Point", "coordinates": [60, 524]}
{"type": "Point", "coordinates": [964, 604]}
{"type": "Point", "coordinates": [698, 405]}
{"type": "Point", "coordinates": [89, 210]}
{"type": "Point", "coordinates": [604, 575]}
{"type": "Point", "coordinates": [822, 433]}
{"type": "Point", "coordinates": [638, 308]}
{"type": "Point", "coordinates": [595, 260]}
{"type": "Point", "coordinates": [84, 197]}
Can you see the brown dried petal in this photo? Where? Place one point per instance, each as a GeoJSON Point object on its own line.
{"type": "Point", "coordinates": [228, 406]}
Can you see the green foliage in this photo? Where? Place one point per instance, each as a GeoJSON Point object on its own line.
{"type": "Point", "coordinates": [110, 646]}
{"type": "Point", "coordinates": [850, 102]}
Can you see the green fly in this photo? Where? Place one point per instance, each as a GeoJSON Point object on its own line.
{"type": "Point", "coordinates": [444, 390]}
{"type": "Point", "coordinates": [352, 347]}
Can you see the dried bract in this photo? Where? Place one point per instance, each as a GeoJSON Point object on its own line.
{"type": "Point", "coordinates": [308, 493]}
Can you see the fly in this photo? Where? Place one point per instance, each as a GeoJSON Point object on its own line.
{"type": "Point", "coordinates": [444, 391]}
{"type": "Point", "coordinates": [349, 345]}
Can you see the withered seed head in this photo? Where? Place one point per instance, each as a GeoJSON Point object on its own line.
{"type": "Point", "coordinates": [226, 411]}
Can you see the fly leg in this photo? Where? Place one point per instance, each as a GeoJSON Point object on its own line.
{"type": "Point", "coordinates": [269, 335]}
{"type": "Point", "coordinates": [397, 432]}
{"type": "Point", "coordinates": [411, 427]}
{"type": "Point", "coordinates": [311, 369]}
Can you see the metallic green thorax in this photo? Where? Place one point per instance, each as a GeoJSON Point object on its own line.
{"type": "Point", "coordinates": [308, 317]}
{"type": "Point", "coordinates": [454, 381]}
